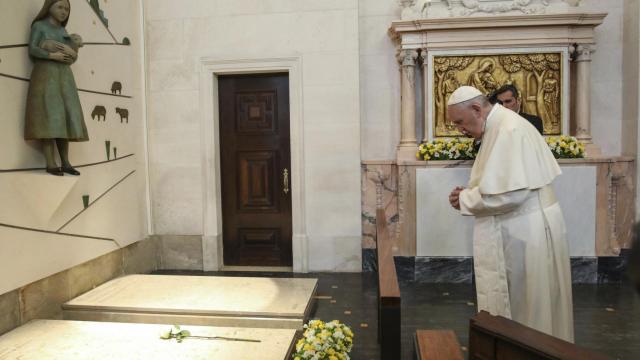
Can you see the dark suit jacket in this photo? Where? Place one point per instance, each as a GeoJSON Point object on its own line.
{"type": "Point", "coordinates": [534, 120]}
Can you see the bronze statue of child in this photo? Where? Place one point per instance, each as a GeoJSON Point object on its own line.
{"type": "Point", "coordinates": [54, 115]}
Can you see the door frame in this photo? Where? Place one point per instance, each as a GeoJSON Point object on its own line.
{"type": "Point", "coordinates": [210, 69]}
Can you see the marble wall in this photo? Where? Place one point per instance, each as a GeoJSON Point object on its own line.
{"type": "Point", "coordinates": [43, 299]}
{"type": "Point", "coordinates": [44, 225]}
{"type": "Point", "coordinates": [459, 270]}
{"type": "Point", "coordinates": [379, 190]}
{"type": "Point", "coordinates": [380, 79]}
{"type": "Point", "coordinates": [632, 85]}
{"type": "Point", "coordinates": [179, 252]}
{"type": "Point", "coordinates": [607, 77]}
{"type": "Point", "coordinates": [631, 81]}
{"type": "Point", "coordinates": [324, 34]}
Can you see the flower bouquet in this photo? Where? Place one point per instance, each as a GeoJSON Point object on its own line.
{"type": "Point", "coordinates": [565, 147]}
{"type": "Point", "coordinates": [320, 341]}
{"type": "Point", "coordinates": [562, 147]}
{"type": "Point", "coordinates": [447, 149]}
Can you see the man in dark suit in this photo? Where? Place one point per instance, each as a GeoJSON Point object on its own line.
{"type": "Point", "coordinates": [507, 95]}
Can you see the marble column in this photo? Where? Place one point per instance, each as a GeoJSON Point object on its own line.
{"type": "Point", "coordinates": [425, 91]}
{"type": "Point", "coordinates": [408, 145]}
{"type": "Point", "coordinates": [582, 58]}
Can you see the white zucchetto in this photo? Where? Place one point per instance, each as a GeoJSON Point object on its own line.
{"type": "Point", "coordinates": [462, 94]}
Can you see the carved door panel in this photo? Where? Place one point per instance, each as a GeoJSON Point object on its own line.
{"type": "Point", "coordinates": [255, 169]}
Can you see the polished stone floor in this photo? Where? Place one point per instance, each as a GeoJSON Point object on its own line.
{"type": "Point", "coordinates": [607, 317]}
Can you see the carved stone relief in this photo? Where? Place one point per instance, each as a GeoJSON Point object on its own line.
{"type": "Point", "coordinates": [422, 9]}
{"type": "Point", "coordinates": [537, 76]}
{"type": "Point", "coordinates": [470, 7]}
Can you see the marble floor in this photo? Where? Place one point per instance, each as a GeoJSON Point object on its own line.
{"type": "Point", "coordinates": [607, 317]}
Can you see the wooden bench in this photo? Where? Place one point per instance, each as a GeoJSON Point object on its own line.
{"type": "Point", "coordinates": [389, 315]}
{"type": "Point", "coordinates": [437, 345]}
{"type": "Point", "coordinates": [495, 337]}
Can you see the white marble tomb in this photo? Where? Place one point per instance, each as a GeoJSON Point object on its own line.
{"type": "Point", "coordinates": [198, 300]}
{"type": "Point", "coordinates": [70, 340]}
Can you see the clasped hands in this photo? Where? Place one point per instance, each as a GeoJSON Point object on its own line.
{"type": "Point", "coordinates": [63, 53]}
{"type": "Point", "coordinates": [454, 197]}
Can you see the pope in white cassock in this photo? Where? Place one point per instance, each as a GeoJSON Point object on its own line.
{"type": "Point", "coordinates": [520, 250]}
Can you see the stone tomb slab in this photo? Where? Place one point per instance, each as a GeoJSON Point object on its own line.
{"type": "Point", "coordinates": [198, 300]}
{"type": "Point", "coordinates": [69, 340]}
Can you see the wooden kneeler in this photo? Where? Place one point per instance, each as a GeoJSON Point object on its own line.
{"type": "Point", "coordinates": [389, 315]}
{"type": "Point", "coordinates": [437, 345]}
{"type": "Point", "coordinates": [495, 337]}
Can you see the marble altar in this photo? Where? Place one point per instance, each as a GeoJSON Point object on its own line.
{"type": "Point", "coordinates": [442, 231]}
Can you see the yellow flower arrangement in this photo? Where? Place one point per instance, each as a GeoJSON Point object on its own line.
{"type": "Point", "coordinates": [565, 147]}
{"type": "Point", "coordinates": [449, 149]}
{"type": "Point", "coordinates": [562, 147]}
{"type": "Point", "coordinates": [324, 341]}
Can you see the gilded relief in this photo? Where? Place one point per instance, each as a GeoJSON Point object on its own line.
{"type": "Point", "coordinates": [537, 76]}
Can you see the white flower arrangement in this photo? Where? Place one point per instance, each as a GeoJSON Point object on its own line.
{"type": "Point", "coordinates": [565, 147]}
{"type": "Point", "coordinates": [324, 341]}
{"type": "Point", "coordinates": [447, 149]}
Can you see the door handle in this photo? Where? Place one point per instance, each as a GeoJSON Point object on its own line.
{"type": "Point", "coordinates": [285, 176]}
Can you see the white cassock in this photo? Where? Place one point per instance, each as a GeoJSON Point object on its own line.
{"type": "Point", "coordinates": [520, 250]}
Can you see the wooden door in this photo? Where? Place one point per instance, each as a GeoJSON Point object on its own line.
{"type": "Point", "coordinates": [255, 169]}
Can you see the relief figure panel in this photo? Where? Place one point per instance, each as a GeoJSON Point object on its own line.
{"type": "Point", "coordinates": [537, 76]}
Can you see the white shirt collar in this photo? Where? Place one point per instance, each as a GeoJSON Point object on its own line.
{"type": "Point", "coordinates": [486, 123]}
